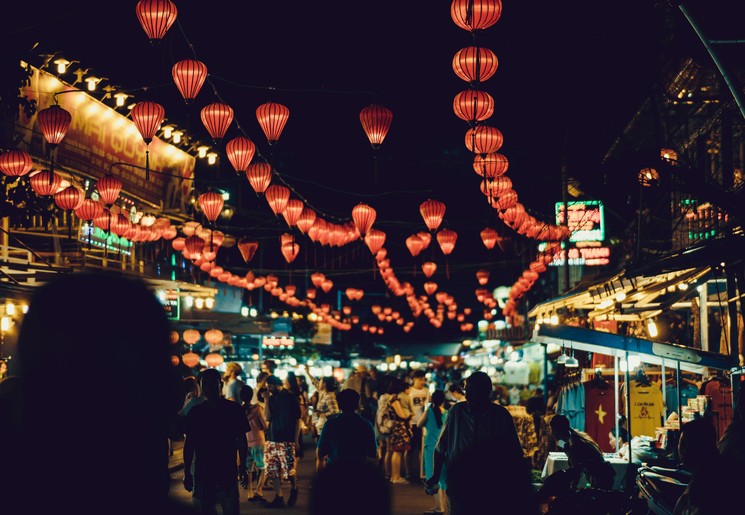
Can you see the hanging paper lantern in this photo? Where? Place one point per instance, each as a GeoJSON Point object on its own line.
{"type": "Point", "coordinates": [364, 217]}
{"type": "Point", "coordinates": [473, 105]}
{"type": "Point", "coordinates": [190, 359]}
{"type": "Point", "coordinates": [374, 240]}
{"type": "Point", "coordinates": [194, 245]}
{"type": "Point", "coordinates": [514, 216]}
{"type": "Point", "coordinates": [156, 17]}
{"type": "Point", "coordinates": [317, 278]}
{"type": "Point", "coordinates": [277, 197]}
{"type": "Point", "coordinates": [214, 336]}
{"type": "Point", "coordinates": [490, 166]}
{"type": "Point", "coordinates": [15, 163]}
{"type": "Point", "coordinates": [482, 276]}
{"type": "Point", "coordinates": [430, 287]}
{"type": "Point", "coordinates": [191, 336]}
{"type": "Point", "coordinates": [497, 187]}
{"type": "Point", "coordinates": [310, 293]}
{"type": "Point", "coordinates": [326, 285]}
{"type": "Point", "coordinates": [247, 249]}
{"type": "Point", "coordinates": [272, 118]}
{"type": "Point", "coordinates": [89, 209]}
{"type": "Point", "coordinates": [211, 204]}
{"type": "Point", "coordinates": [484, 139]}
{"type": "Point", "coordinates": [45, 183]}
{"type": "Point", "coordinates": [120, 225]}
{"type": "Point", "coordinates": [217, 118]}
{"type": "Point", "coordinates": [473, 15]}
{"type": "Point", "coordinates": [292, 211]}
{"type": "Point", "coordinates": [54, 122]}
{"type": "Point", "coordinates": [147, 117]}
{"type": "Point", "coordinates": [489, 237]}
{"type": "Point", "coordinates": [426, 239]}
{"type": "Point", "coordinates": [429, 268]}
{"type": "Point", "coordinates": [189, 76]}
{"type": "Point", "coordinates": [415, 244]}
{"type": "Point", "coordinates": [432, 212]}
{"type": "Point", "coordinates": [213, 359]}
{"type": "Point", "coordinates": [475, 64]}
{"type": "Point", "coordinates": [506, 200]}
{"type": "Point", "coordinates": [306, 219]}
{"type": "Point", "coordinates": [240, 151]}
{"type": "Point", "coordinates": [447, 238]}
{"type": "Point", "coordinates": [69, 198]}
{"type": "Point", "coordinates": [108, 188]}
{"type": "Point", "coordinates": [259, 175]}
{"type": "Point", "coordinates": [376, 121]}
{"type": "Point", "coordinates": [290, 251]}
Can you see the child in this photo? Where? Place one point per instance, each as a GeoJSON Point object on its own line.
{"type": "Point", "coordinates": [256, 440]}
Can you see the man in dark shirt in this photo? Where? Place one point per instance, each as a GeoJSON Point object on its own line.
{"type": "Point", "coordinates": [215, 431]}
{"type": "Point", "coordinates": [583, 453]}
{"type": "Point", "coordinates": [347, 436]}
{"type": "Point", "coordinates": [282, 412]}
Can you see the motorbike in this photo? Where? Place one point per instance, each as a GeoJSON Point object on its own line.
{"type": "Point", "coordinates": [661, 488]}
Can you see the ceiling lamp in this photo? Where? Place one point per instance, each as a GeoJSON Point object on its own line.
{"type": "Point", "coordinates": [277, 197]}
{"type": "Point", "coordinates": [432, 212]}
{"type": "Point", "coordinates": [473, 105]}
{"type": "Point", "coordinates": [15, 163]}
{"type": "Point", "coordinates": [447, 238]}
{"type": "Point", "coordinates": [189, 76]}
{"type": "Point", "coordinates": [240, 152]}
{"type": "Point", "coordinates": [211, 204]}
{"type": "Point", "coordinates": [247, 249]}
{"type": "Point", "coordinates": [272, 118]}
{"type": "Point", "coordinates": [473, 15]}
{"type": "Point", "coordinates": [484, 139]}
{"type": "Point", "coordinates": [147, 117]}
{"type": "Point", "coordinates": [364, 217]}
{"type": "Point", "coordinates": [217, 118]}
{"type": "Point", "coordinates": [156, 17]}
{"type": "Point", "coordinates": [376, 121]}
{"type": "Point", "coordinates": [490, 166]}
{"type": "Point", "coordinates": [475, 64]}
{"type": "Point", "coordinates": [292, 211]}
{"type": "Point", "coordinates": [259, 175]}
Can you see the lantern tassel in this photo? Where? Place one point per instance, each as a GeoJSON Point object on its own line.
{"type": "Point", "coordinates": [147, 164]}
{"type": "Point", "coordinates": [69, 225]}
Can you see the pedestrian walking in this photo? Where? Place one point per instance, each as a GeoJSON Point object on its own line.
{"type": "Point", "coordinates": [232, 382]}
{"type": "Point", "coordinates": [431, 421]}
{"type": "Point", "coordinates": [256, 440]}
{"type": "Point", "coordinates": [347, 436]}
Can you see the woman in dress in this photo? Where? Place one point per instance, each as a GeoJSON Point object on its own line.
{"type": "Point", "coordinates": [431, 421]}
{"type": "Point", "coordinates": [399, 440]}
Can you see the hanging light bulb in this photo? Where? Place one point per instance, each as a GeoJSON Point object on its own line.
{"type": "Point", "coordinates": [177, 135]}
{"type": "Point", "coordinates": [211, 158]}
{"type": "Point", "coordinates": [652, 328]}
{"type": "Point", "coordinates": [62, 64]}
{"type": "Point", "coordinates": [92, 82]}
{"type": "Point", "coordinates": [120, 99]}
{"type": "Point", "coordinates": [202, 151]}
{"type": "Point", "coordinates": [167, 131]}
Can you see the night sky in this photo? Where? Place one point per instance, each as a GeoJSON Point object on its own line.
{"type": "Point", "coordinates": [570, 77]}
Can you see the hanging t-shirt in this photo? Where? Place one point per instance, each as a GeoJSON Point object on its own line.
{"type": "Point", "coordinates": [687, 391]}
{"type": "Point", "coordinates": [599, 410]}
{"type": "Point", "coordinates": [516, 372]}
{"type": "Point", "coordinates": [647, 410]}
{"type": "Point", "coordinates": [571, 404]}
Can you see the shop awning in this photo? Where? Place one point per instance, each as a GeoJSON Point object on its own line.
{"type": "Point", "coordinates": [656, 353]}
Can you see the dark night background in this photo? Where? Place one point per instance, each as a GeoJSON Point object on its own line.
{"type": "Point", "coordinates": [571, 75]}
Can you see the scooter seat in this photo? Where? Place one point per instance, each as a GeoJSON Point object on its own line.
{"type": "Point", "coordinates": [663, 489]}
{"type": "Point", "coordinates": [681, 475]}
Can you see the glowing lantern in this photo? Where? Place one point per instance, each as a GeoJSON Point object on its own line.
{"type": "Point", "coordinates": [306, 219]}
{"type": "Point", "coordinates": [432, 212]}
{"type": "Point", "coordinates": [482, 276]}
{"type": "Point", "coordinates": [147, 117]}
{"type": "Point", "coordinates": [211, 204]}
{"type": "Point", "coordinates": [290, 251]}
{"type": "Point", "coordinates": [484, 139]}
{"type": "Point", "coordinates": [530, 275]}
{"type": "Point", "coordinates": [191, 336]}
{"type": "Point", "coordinates": [213, 359]}
{"type": "Point", "coordinates": [247, 249]}
{"type": "Point", "coordinates": [364, 217]}
{"type": "Point", "coordinates": [189, 76]}
{"type": "Point", "coordinates": [429, 268]}
{"type": "Point", "coordinates": [292, 211]}
{"type": "Point", "coordinates": [217, 118]}
{"type": "Point", "coordinates": [473, 105]}
{"type": "Point", "coordinates": [473, 15]}
{"type": "Point", "coordinates": [108, 188]}
{"type": "Point", "coordinates": [45, 183]}
{"type": "Point", "coordinates": [15, 163]}
{"type": "Point", "coordinates": [317, 278]}
{"type": "Point", "coordinates": [89, 209]}
{"type": "Point", "coordinates": [376, 121]}
{"type": "Point", "coordinates": [375, 240]}
{"type": "Point", "coordinates": [310, 293]}
{"type": "Point", "coordinates": [447, 238]}
{"type": "Point", "coordinates": [426, 239]}
{"type": "Point", "coordinates": [54, 122]}
{"type": "Point", "coordinates": [69, 198]}
{"type": "Point", "coordinates": [272, 118]}
{"type": "Point", "coordinates": [415, 244]}
{"type": "Point", "coordinates": [497, 187]}
{"type": "Point", "coordinates": [514, 216]}
{"type": "Point", "coordinates": [240, 152]}
{"type": "Point", "coordinates": [194, 245]}
{"type": "Point", "coordinates": [489, 236]}
{"type": "Point", "coordinates": [490, 166]}
{"type": "Point", "coordinates": [120, 224]}
{"type": "Point", "coordinates": [156, 17]}
{"type": "Point", "coordinates": [430, 287]}
{"type": "Point", "coordinates": [214, 336]}
{"type": "Point", "coordinates": [326, 285]}
{"type": "Point", "coordinates": [358, 294]}
{"type": "Point", "coordinates": [538, 267]}
{"type": "Point", "coordinates": [475, 64]}
{"type": "Point", "coordinates": [190, 359]}
{"type": "Point", "coordinates": [277, 197]}
{"type": "Point", "coordinates": [259, 175]}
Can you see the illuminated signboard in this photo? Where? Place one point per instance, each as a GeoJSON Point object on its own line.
{"type": "Point", "coordinates": [278, 342]}
{"type": "Point", "coordinates": [99, 238]}
{"type": "Point", "coordinates": [171, 302]}
{"type": "Point", "coordinates": [586, 219]}
{"type": "Point", "coordinates": [588, 255]}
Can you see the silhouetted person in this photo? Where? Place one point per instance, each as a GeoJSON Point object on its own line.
{"type": "Point", "coordinates": [97, 389]}
{"type": "Point", "coordinates": [347, 436]}
{"type": "Point", "coordinates": [215, 438]}
{"type": "Point", "coordinates": [481, 454]}
{"type": "Point", "coordinates": [348, 487]}
{"type": "Point", "coordinates": [282, 411]}
{"type": "Point", "coordinates": [583, 453]}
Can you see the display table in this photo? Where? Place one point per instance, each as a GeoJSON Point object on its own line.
{"type": "Point", "coordinates": [559, 461]}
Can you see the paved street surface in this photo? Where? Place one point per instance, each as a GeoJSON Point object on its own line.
{"type": "Point", "coordinates": [407, 499]}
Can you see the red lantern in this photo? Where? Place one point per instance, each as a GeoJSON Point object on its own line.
{"type": "Point", "coordinates": [147, 117]}
{"type": "Point", "coordinates": [430, 287]}
{"type": "Point", "coordinates": [497, 187]}
{"type": "Point", "coordinates": [291, 289]}
{"type": "Point", "coordinates": [213, 359]}
{"type": "Point", "coordinates": [120, 224]}
{"type": "Point", "coordinates": [259, 175]}
{"type": "Point", "coordinates": [45, 183]}
{"type": "Point", "coordinates": [214, 336]}
{"type": "Point", "coordinates": [375, 240]}
{"type": "Point", "coordinates": [189, 76]}
{"type": "Point", "coordinates": [108, 188]}
{"type": "Point", "coordinates": [484, 139]}
{"type": "Point", "coordinates": [475, 64]}
{"type": "Point", "coordinates": [89, 209]}
{"type": "Point", "coordinates": [415, 244]}
{"type": "Point", "coordinates": [489, 236]}
{"type": "Point", "coordinates": [178, 244]}
{"type": "Point", "coordinates": [426, 239]}
{"type": "Point", "coordinates": [277, 197]}
{"type": "Point", "coordinates": [364, 217]}
{"type": "Point", "coordinates": [190, 359]}
{"type": "Point", "coordinates": [490, 166]}
{"type": "Point", "coordinates": [156, 17]}
{"type": "Point", "coordinates": [514, 216]}
{"type": "Point", "coordinates": [292, 211]}
{"type": "Point", "coordinates": [376, 121]}
{"type": "Point", "coordinates": [211, 204]}
{"type": "Point", "coordinates": [506, 200]}
{"type": "Point", "coordinates": [217, 118]}
{"type": "Point", "coordinates": [272, 118]}
{"type": "Point", "coordinates": [473, 15]}
{"type": "Point", "coordinates": [447, 238]}
{"type": "Point", "coordinates": [194, 246]}
{"type": "Point", "coordinates": [482, 276]}
{"type": "Point", "coordinates": [247, 249]}
{"type": "Point", "coordinates": [317, 278]}
{"type": "Point", "coordinates": [70, 198]}
{"type": "Point", "coordinates": [240, 151]}
{"type": "Point", "coordinates": [306, 219]}
{"type": "Point", "coordinates": [429, 268]}
{"type": "Point", "coordinates": [54, 122]}
{"type": "Point", "coordinates": [473, 105]}
{"type": "Point", "coordinates": [290, 251]}
{"type": "Point", "coordinates": [15, 163]}
{"type": "Point", "coordinates": [326, 285]}
{"type": "Point", "coordinates": [432, 212]}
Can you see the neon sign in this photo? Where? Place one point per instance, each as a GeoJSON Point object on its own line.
{"type": "Point", "coordinates": [586, 220]}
